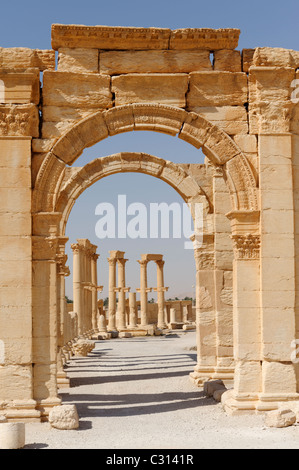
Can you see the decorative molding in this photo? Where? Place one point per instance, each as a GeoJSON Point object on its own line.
{"type": "Point", "coordinates": [246, 246]}
{"type": "Point", "coordinates": [132, 38]}
{"type": "Point", "coordinates": [19, 120]}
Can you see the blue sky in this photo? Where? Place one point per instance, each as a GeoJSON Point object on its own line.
{"type": "Point", "coordinates": [28, 24]}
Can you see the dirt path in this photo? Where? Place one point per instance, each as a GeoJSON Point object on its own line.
{"type": "Point", "coordinates": [135, 394]}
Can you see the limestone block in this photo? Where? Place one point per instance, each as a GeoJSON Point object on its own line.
{"type": "Point", "coordinates": [270, 84]}
{"type": "Point", "coordinates": [15, 224]}
{"type": "Point", "coordinates": [12, 436]}
{"type": "Point", "coordinates": [14, 248]}
{"type": "Point", "coordinates": [210, 387]}
{"type": "Point", "coordinates": [55, 129]}
{"type": "Point", "coordinates": [211, 39]}
{"type": "Point", "coordinates": [279, 378]}
{"type": "Point", "coordinates": [231, 119]}
{"type": "Point", "coordinates": [248, 377]}
{"type": "Point", "coordinates": [247, 59]}
{"type": "Point", "coordinates": [78, 60]}
{"type": "Point", "coordinates": [269, 117]}
{"type": "Point", "coordinates": [158, 118]}
{"type": "Point", "coordinates": [22, 120]}
{"type": "Point", "coordinates": [15, 201]}
{"type": "Point", "coordinates": [15, 153]}
{"type": "Point", "coordinates": [64, 417]}
{"type": "Point", "coordinates": [121, 62]}
{"type": "Point", "coordinates": [75, 90]}
{"type": "Point", "coordinates": [277, 340]}
{"type": "Point", "coordinates": [195, 130]}
{"type": "Point", "coordinates": [23, 58]}
{"type": "Point", "coordinates": [217, 89]}
{"type": "Point", "coordinates": [119, 119]}
{"type": "Point", "coordinates": [169, 89]}
{"type": "Point", "coordinates": [246, 143]}
{"type": "Point", "coordinates": [20, 87]}
{"type": "Point", "coordinates": [109, 37]}
{"type": "Point", "coordinates": [125, 334]}
{"type": "Point", "coordinates": [82, 347]}
{"type": "Point", "coordinates": [290, 406]}
{"type": "Point", "coordinates": [280, 418]}
{"type": "Point", "coordinates": [42, 145]}
{"type": "Point", "coordinates": [189, 327]}
{"type": "Point", "coordinates": [222, 113]}
{"type": "Point", "coordinates": [227, 60]}
{"type": "Point", "coordinates": [217, 395]}
{"type": "Point", "coordinates": [274, 57]}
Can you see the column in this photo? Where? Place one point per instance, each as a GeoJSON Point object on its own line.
{"type": "Point", "coordinates": [133, 310]}
{"type": "Point", "coordinates": [160, 292]}
{"type": "Point", "coordinates": [246, 313]}
{"type": "Point", "coordinates": [112, 294]}
{"type": "Point", "coordinates": [102, 326]}
{"type": "Point", "coordinates": [278, 277]}
{"type": "Point", "coordinates": [122, 294]}
{"type": "Point", "coordinates": [205, 312]}
{"type": "Point", "coordinates": [77, 288]}
{"type": "Point", "coordinates": [45, 313]}
{"type": "Point", "coordinates": [223, 275]}
{"type": "Point", "coordinates": [143, 292]}
{"type": "Point", "coordinates": [62, 272]}
{"type": "Point", "coordinates": [94, 292]}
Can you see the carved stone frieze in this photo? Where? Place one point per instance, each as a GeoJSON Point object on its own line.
{"type": "Point", "coordinates": [246, 246]}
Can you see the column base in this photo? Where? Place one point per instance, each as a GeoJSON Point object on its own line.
{"type": "Point", "coordinates": [249, 403]}
{"type": "Point", "coordinates": [63, 380]}
{"type": "Point", "coordinates": [45, 406]}
{"type": "Point", "coordinates": [103, 335]}
{"type": "Point", "coordinates": [202, 374]}
{"type": "Point", "coordinates": [20, 411]}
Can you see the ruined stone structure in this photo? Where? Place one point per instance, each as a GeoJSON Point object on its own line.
{"type": "Point", "coordinates": [239, 109]}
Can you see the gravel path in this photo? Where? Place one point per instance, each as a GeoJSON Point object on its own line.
{"type": "Point", "coordinates": [135, 394]}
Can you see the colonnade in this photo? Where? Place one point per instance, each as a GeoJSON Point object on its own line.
{"type": "Point", "coordinates": [85, 286]}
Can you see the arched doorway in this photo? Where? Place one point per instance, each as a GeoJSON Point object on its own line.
{"type": "Point", "coordinates": [57, 187]}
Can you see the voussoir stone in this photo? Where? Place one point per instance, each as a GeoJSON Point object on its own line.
{"type": "Point", "coordinates": [64, 417]}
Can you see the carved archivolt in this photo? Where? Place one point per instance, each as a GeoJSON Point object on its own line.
{"type": "Point", "coordinates": [216, 144]}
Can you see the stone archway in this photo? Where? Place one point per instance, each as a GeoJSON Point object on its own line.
{"type": "Point", "coordinates": [56, 189]}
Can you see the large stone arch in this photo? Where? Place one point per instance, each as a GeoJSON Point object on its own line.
{"type": "Point", "coordinates": [219, 148]}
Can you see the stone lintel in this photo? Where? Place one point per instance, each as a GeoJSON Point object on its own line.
{"type": "Point", "coordinates": [131, 38]}
{"type": "Point", "coordinates": [151, 257]}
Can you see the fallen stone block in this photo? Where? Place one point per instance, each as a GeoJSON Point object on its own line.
{"type": "Point", "coordinates": [82, 347]}
{"type": "Point", "coordinates": [218, 394]}
{"type": "Point", "coordinates": [189, 327]}
{"type": "Point", "coordinates": [125, 334]}
{"type": "Point", "coordinates": [64, 417]}
{"type": "Point", "coordinates": [211, 386]}
{"type": "Point", "coordinates": [280, 418]}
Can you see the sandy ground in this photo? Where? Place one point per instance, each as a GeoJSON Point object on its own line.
{"type": "Point", "coordinates": [135, 394]}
